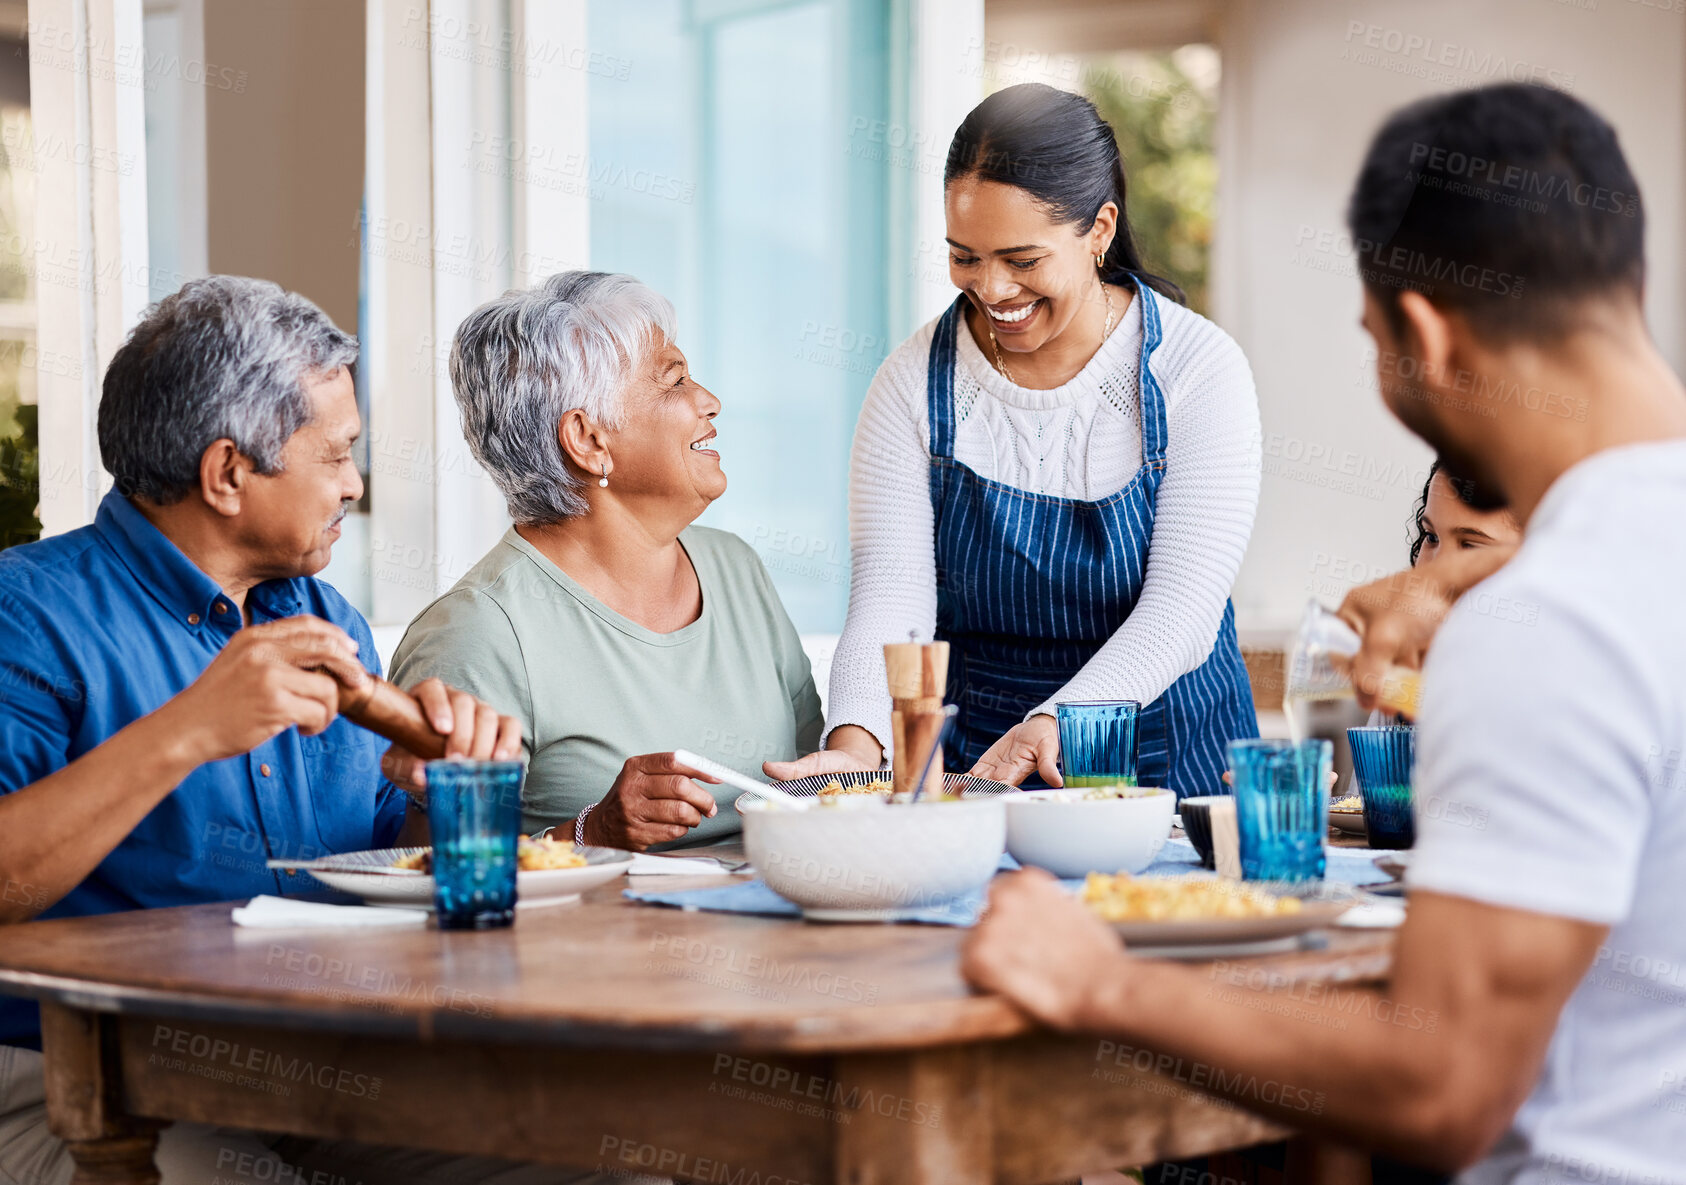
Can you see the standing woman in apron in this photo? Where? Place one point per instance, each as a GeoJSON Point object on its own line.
{"type": "Point", "coordinates": [1058, 476]}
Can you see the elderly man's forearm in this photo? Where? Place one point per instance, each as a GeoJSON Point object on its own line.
{"type": "Point", "coordinates": [54, 832]}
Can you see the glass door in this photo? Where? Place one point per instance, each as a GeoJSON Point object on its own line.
{"type": "Point", "coordinates": [728, 170]}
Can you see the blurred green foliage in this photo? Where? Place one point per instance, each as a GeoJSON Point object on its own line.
{"type": "Point", "coordinates": [1163, 110]}
{"type": "Point", "coordinates": [20, 459]}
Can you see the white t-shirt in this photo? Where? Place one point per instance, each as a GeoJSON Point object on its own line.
{"type": "Point", "coordinates": [1551, 778]}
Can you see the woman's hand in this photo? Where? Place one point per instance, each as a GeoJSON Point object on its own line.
{"type": "Point", "coordinates": [1397, 616]}
{"type": "Point", "coordinates": [1031, 747]}
{"type": "Point", "coordinates": [653, 801]}
{"type": "Point", "coordinates": [849, 748]}
{"type": "Point", "coordinates": [471, 729]}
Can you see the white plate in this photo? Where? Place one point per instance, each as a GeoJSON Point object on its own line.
{"type": "Point", "coordinates": [1351, 822]}
{"type": "Point", "coordinates": [810, 786]}
{"type": "Point", "coordinates": [416, 888]}
{"type": "Point", "coordinates": [1322, 905]}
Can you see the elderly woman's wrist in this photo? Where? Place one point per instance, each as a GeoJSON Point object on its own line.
{"type": "Point", "coordinates": [583, 831]}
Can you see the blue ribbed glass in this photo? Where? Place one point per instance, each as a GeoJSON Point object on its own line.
{"type": "Point", "coordinates": [1281, 808]}
{"type": "Point", "coordinates": [1098, 742]}
{"type": "Point", "coordinates": [1383, 759]}
{"type": "Point", "coordinates": [474, 811]}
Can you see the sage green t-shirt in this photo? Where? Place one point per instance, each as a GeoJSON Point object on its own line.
{"type": "Point", "coordinates": [593, 688]}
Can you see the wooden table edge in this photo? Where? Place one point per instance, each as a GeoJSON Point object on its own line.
{"type": "Point", "coordinates": [986, 1018]}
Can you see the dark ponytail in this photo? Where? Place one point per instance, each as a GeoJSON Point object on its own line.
{"type": "Point", "coordinates": [1056, 147]}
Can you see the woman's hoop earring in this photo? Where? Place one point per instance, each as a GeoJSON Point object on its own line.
{"type": "Point", "coordinates": [604, 480]}
{"type": "Point", "coordinates": [1100, 262]}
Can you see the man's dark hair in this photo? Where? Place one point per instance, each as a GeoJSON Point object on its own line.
{"type": "Point", "coordinates": [1507, 204]}
{"type": "Point", "coordinates": [225, 356]}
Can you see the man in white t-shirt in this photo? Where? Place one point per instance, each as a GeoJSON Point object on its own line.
{"type": "Point", "coordinates": [1534, 1028]}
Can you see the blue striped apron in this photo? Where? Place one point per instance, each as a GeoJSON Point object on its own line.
{"type": "Point", "coordinates": [1029, 587]}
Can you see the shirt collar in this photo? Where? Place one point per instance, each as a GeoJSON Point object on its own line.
{"type": "Point", "coordinates": [173, 580]}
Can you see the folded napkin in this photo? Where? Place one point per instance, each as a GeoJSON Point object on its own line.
{"type": "Point", "coordinates": [645, 864]}
{"type": "Point", "coordinates": [1374, 915]}
{"type": "Point", "coordinates": [280, 912]}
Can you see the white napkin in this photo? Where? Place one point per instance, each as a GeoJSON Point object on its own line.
{"type": "Point", "coordinates": [1374, 915]}
{"type": "Point", "coordinates": [644, 864]}
{"type": "Point", "coordinates": [277, 912]}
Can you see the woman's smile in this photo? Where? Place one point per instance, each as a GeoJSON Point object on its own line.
{"type": "Point", "coordinates": [1013, 318]}
{"type": "Point", "coordinates": [700, 446]}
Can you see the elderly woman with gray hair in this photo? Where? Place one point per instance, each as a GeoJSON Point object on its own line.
{"type": "Point", "coordinates": [605, 619]}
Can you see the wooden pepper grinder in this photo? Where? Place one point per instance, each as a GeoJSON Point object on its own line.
{"type": "Point", "coordinates": [918, 676]}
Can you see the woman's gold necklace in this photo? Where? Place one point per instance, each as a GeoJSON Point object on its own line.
{"type": "Point", "coordinates": [1001, 363]}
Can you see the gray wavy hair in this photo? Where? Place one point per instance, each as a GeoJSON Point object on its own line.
{"type": "Point", "coordinates": [521, 362]}
{"type": "Point", "coordinates": [224, 357]}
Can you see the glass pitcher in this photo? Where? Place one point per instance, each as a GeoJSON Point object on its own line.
{"type": "Point", "coordinates": [1312, 674]}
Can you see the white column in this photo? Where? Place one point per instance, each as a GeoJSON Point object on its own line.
{"type": "Point", "coordinates": [475, 59]}
{"type": "Point", "coordinates": [947, 59]}
{"type": "Point", "coordinates": [400, 346]}
{"type": "Point", "coordinates": [87, 91]}
{"type": "Point", "coordinates": [549, 89]}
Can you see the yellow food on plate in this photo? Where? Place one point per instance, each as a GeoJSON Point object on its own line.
{"type": "Point", "coordinates": [834, 787]}
{"type": "Point", "coordinates": [543, 854]}
{"type": "Point", "coordinates": [1351, 804]}
{"type": "Point", "coordinates": [546, 854]}
{"type": "Point", "coordinates": [1126, 898]}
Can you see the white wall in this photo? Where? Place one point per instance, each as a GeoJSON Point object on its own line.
{"type": "Point", "coordinates": [1302, 95]}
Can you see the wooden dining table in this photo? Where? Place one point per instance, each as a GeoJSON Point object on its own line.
{"type": "Point", "coordinates": [609, 1034]}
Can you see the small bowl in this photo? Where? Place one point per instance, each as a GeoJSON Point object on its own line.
{"type": "Point", "coordinates": [867, 860]}
{"type": "Point", "coordinates": [1072, 836]}
{"type": "Point", "coordinates": [1197, 824]}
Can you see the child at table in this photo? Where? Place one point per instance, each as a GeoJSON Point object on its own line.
{"type": "Point", "coordinates": [1445, 523]}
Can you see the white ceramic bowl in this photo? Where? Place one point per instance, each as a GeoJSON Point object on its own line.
{"type": "Point", "coordinates": [1072, 836]}
{"type": "Point", "coordinates": [866, 860]}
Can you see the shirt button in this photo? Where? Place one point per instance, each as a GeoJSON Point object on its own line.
{"type": "Point", "coordinates": [264, 769]}
{"type": "Point", "coordinates": [193, 619]}
{"type": "Point", "coordinates": [221, 608]}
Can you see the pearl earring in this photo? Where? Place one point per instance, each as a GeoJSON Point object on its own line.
{"type": "Point", "coordinates": [604, 480]}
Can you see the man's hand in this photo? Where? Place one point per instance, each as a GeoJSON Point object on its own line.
{"type": "Point", "coordinates": [266, 679]}
{"type": "Point", "coordinates": [1031, 747]}
{"type": "Point", "coordinates": [653, 801]}
{"type": "Point", "coordinates": [1396, 617]}
{"type": "Point", "coordinates": [471, 728]}
{"type": "Point", "coordinates": [1042, 949]}
{"type": "Point", "coordinates": [849, 748]}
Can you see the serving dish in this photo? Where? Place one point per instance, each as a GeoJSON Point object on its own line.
{"type": "Point", "coordinates": [1352, 822]}
{"type": "Point", "coordinates": [1071, 835]}
{"type": "Point", "coordinates": [869, 860]}
{"type": "Point", "coordinates": [356, 873]}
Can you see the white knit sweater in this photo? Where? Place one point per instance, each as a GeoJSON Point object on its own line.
{"type": "Point", "coordinates": [1081, 440]}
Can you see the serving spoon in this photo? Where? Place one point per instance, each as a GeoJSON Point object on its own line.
{"type": "Point", "coordinates": [733, 778]}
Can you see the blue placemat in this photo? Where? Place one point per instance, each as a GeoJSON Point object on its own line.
{"type": "Point", "coordinates": [1346, 867]}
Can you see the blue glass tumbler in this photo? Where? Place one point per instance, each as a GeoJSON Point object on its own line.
{"type": "Point", "coordinates": [1382, 758]}
{"type": "Point", "coordinates": [474, 811]}
{"type": "Point", "coordinates": [1098, 742]}
{"type": "Point", "coordinates": [1281, 808]}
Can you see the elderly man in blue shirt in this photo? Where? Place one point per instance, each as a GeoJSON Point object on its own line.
{"type": "Point", "coordinates": [169, 676]}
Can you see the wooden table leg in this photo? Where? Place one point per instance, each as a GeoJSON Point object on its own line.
{"type": "Point", "coordinates": [120, 1160]}
{"type": "Point", "coordinates": [84, 1102]}
{"type": "Point", "coordinates": [920, 1118]}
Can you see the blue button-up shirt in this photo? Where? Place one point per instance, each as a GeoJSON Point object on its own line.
{"type": "Point", "coordinates": [102, 625]}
